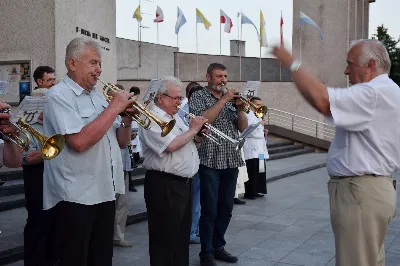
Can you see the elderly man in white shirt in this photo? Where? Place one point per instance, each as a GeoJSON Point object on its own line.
{"type": "Point", "coordinates": [171, 163]}
{"type": "Point", "coordinates": [364, 153]}
{"type": "Point", "coordinates": [255, 154]}
{"type": "Point", "coordinates": [10, 154]}
{"type": "Point", "coordinates": [83, 179]}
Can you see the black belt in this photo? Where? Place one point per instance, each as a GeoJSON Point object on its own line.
{"type": "Point", "coordinates": [344, 177]}
{"type": "Point", "coordinates": [172, 176]}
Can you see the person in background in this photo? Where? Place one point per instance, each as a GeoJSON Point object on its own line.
{"type": "Point", "coordinates": [44, 77]}
{"type": "Point", "coordinates": [255, 154]}
{"type": "Point", "coordinates": [135, 147]}
{"type": "Point", "coordinates": [121, 200]}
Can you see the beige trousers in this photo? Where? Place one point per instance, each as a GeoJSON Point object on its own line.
{"type": "Point", "coordinates": [361, 210]}
{"type": "Point", "coordinates": [121, 211]}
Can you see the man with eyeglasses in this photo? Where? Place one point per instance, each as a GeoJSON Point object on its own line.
{"type": "Point", "coordinates": [44, 77]}
{"type": "Point", "coordinates": [171, 162]}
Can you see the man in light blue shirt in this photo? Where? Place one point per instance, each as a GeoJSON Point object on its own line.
{"type": "Point", "coordinates": [83, 179]}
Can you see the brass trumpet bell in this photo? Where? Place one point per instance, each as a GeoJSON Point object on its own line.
{"type": "Point", "coordinates": [166, 127]}
{"type": "Point", "coordinates": [51, 146]}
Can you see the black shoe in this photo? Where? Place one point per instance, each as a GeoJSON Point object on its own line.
{"type": "Point", "coordinates": [258, 195]}
{"type": "Point", "coordinates": [249, 197]}
{"type": "Point", "coordinates": [238, 201]}
{"type": "Point", "coordinates": [207, 261]}
{"type": "Point", "coordinates": [221, 254]}
{"type": "Point", "coordinates": [2, 182]}
{"type": "Point", "coordinates": [132, 189]}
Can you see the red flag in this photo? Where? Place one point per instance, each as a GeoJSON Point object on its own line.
{"type": "Point", "coordinates": [281, 30]}
{"type": "Point", "coordinates": [227, 21]}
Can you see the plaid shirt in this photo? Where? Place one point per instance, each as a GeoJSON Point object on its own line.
{"type": "Point", "coordinates": [212, 155]}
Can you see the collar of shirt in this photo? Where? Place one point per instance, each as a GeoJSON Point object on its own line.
{"type": "Point", "coordinates": [75, 87]}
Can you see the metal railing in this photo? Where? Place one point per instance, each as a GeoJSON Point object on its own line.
{"type": "Point", "coordinates": [300, 124]}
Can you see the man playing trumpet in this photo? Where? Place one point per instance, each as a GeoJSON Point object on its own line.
{"type": "Point", "coordinates": [218, 163]}
{"type": "Point", "coordinates": [82, 181]}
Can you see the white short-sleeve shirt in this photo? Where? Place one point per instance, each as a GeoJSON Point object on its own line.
{"type": "Point", "coordinates": [183, 162]}
{"type": "Point", "coordinates": [255, 143]}
{"type": "Point", "coordinates": [1, 152]}
{"type": "Point", "coordinates": [367, 119]}
{"type": "Point", "coordinates": [88, 177]}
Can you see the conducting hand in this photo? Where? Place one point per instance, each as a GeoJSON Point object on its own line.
{"type": "Point", "coordinates": [283, 56]}
{"type": "Point", "coordinates": [197, 123]}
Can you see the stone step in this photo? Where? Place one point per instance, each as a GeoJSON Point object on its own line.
{"type": "Point", "coordinates": [12, 202]}
{"type": "Point", "coordinates": [282, 149]}
{"type": "Point", "coordinates": [12, 187]}
{"type": "Point", "coordinates": [274, 144]}
{"type": "Point", "coordinates": [289, 154]}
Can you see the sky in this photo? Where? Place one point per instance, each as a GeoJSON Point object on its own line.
{"type": "Point", "coordinates": [381, 12]}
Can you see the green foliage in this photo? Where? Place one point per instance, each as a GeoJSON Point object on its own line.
{"type": "Point", "coordinates": [394, 52]}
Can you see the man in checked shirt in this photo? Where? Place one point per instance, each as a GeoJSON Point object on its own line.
{"type": "Point", "coordinates": [218, 164]}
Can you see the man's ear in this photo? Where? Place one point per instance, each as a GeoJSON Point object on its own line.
{"type": "Point", "coordinates": [72, 64]}
{"type": "Point", "coordinates": [39, 82]}
{"type": "Point", "coordinates": [208, 77]}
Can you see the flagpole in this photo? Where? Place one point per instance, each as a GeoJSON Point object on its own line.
{"type": "Point", "coordinates": [177, 54]}
{"type": "Point", "coordinates": [260, 62]}
{"type": "Point", "coordinates": [240, 52]}
{"type": "Point", "coordinates": [157, 49]}
{"type": "Point", "coordinates": [138, 50]}
{"type": "Point", "coordinates": [220, 36]}
{"type": "Point", "coordinates": [197, 55]}
{"type": "Point", "coordinates": [301, 51]}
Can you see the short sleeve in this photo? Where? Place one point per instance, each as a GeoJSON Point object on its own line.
{"type": "Point", "coordinates": [153, 139]}
{"type": "Point", "coordinates": [62, 116]}
{"type": "Point", "coordinates": [353, 108]}
{"type": "Point", "coordinates": [197, 104]}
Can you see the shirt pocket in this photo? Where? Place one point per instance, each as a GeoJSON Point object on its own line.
{"type": "Point", "coordinates": [87, 115]}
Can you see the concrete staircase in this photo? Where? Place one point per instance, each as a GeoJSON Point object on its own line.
{"type": "Point", "coordinates": [286, 158]}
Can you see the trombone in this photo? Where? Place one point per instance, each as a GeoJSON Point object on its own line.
{"type": "Point", "coordinates": [237, 143]}
{"type": "Point", "coordinates": [51, 146]}
{"type": "Point", "coordinates": [259, 111]}
{"type": "Point", "coordinates": [166, 127]}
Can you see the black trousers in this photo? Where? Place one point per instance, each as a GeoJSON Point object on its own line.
{"type": "Point", "coordinates": [38, 231]}
{"type": "Point", "coordinates": [88, 233]}
{"type": "Point", "coordinates": [169, 208]}
{"type": "Point", "coordinates": [257, 182]}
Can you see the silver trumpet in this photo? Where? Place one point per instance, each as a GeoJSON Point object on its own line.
{"type": "Point", "coordinates": [237, 143]}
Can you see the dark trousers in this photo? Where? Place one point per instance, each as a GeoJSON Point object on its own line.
{"type": "Point", "coordinates": [169, 208]}
{"type": "Point", "coordinates": [217, 191]}
{"type": "Point", "coordinates": [88, 233]}
{"type": "Point", "coordinates": [38, 229]}
{"type": "Point", "coordinates": [257, 182]}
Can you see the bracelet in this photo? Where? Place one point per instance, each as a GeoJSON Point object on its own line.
{"type": "Point", "coordinates": [295, 66]}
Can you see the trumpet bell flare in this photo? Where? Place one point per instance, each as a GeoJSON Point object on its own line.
{"type": "Point", "coordinates": [167, 127]}
{"type": "Point", "coordinates": [53, 146]}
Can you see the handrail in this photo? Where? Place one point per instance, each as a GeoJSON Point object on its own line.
{"type": "Point", "coordinates": [300, 124]}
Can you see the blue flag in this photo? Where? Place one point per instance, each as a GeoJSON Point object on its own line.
{"type": "Point", "coordinates": [181, 20]}
{"type": "Point", "coordinates": [304, 19]}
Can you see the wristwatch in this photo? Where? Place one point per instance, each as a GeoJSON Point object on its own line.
{"type": "Point", "coordinates": [125, 125]}
{"type": "Point", "coordinates": [295, 66]}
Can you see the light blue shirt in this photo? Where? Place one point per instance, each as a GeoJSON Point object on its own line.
{"type": "Point", "coordinates": [90, 177]}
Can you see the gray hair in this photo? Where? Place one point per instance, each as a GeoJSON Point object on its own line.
{"type": "Point", "coordinates": [166, 82]}
{"type": "Point", "coordinates": [76, 48]}
{"type": "Point", "coordinates": [373, 49]}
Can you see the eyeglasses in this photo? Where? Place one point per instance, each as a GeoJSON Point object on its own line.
{"type": "Point", "coordinates": [47, 80]}
{"type": "Point", "coordinates": [177, 98]}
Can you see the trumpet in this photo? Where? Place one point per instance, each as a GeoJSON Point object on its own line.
{"type": "Point", "coordinates": [238, 144]}
{"type": "Point", "coordinates": [259, 111]}
{"type": "Point", "coordinates": [51, 146]}
{"type": "Point", "coordinates": [166, 127]}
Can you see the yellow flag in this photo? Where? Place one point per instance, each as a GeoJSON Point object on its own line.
{"type": "Point", "coordinates": [201, 19]}
{"type": "Point", "coordinates": [137, 14]}
{"type": "Point", "coordinates": [263, 35]}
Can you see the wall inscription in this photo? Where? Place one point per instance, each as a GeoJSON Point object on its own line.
{"type": "Point", "coordinates": [94, 36]}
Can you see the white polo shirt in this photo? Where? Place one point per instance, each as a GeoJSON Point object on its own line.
{"type": "Point", "coordinates": [367, 120]}
{"type": "Point", "coordinates": [89, 177]}
{"type": "Point", "coordinates": [183, 162]}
